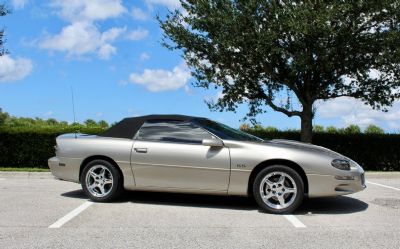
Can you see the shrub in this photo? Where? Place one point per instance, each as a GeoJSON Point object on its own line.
{"type": "Point", "coordinates": [331, 129]}
{"type": "Point", "coordinates": [373, 129]}
{"type": "Point", "coordinates": [318, 128]}
{"type": "Point", "coordinates": [90, 123]}
{"type": "Point", "coordinates": [352, 129]}
{"type": "Point", "coordinates": [244, 127]}
{"type": "Point", "coordinates": [24, 147]}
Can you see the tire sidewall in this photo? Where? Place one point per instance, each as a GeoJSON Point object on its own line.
{"type": "Point", "coordinates": [116, 188]}
{"type": "Point", "coordinates": [292, 173]}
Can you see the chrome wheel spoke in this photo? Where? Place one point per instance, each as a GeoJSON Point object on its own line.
{"type": "Point", "coordinates": [93, 174]}
{"type": "Point", "coordinates": [102, 190]}
{"type": "Point", "coordinates": [269, 183]}
{"type": "Point", "coordinates": [92, 186]}
{"type": "Point", "coordinates": [281, 179]}
{"type": "Point", "coordinates": [289, 190]}
{"type": "Point", "coordinates": [108, 181]}
{"type": "Point", "coordinates": [281, 200]}
{"type": "Point", "coordinates": [268, 196]}
{"type": "Point", "coordinates": [102, 171]}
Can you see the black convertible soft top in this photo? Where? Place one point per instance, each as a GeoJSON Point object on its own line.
{"type": "Point", "coordinates": [128, 127]}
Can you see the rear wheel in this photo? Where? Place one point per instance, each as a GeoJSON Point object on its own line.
{"type": "Point", "coordinates": [278, 189]}
{"type": "Point", "coordinates": [101, 181]}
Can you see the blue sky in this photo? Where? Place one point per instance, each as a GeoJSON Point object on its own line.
{"type": "Point", "coordinates": [109, 51]}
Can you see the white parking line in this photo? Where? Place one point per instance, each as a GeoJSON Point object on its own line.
{"type": "Point", "coordinates": [71, 215]}
{"type": "Point", "coordinates": [385, 186]}
{"type": "Point", "coordinates": [295, 222]}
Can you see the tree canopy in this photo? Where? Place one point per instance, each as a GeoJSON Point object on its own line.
{"type": "Point", "coordinates": [257, 51]}
{"type": "Point", "coordinates": [3, 11]}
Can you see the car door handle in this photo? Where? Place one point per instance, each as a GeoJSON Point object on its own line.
{"type": "Point", "coordinates": [141, 150]}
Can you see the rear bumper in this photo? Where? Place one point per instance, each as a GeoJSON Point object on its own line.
{"type": "Point", "coordinates": [65, 168]}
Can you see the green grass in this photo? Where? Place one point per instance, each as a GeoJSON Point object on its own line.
{"type": "Point", "coordinates": [24, 169]}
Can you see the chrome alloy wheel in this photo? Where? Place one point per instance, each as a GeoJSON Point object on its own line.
{"type": "Point", "coordinates": [99, 180]}
{"type": "Point", "coordinates": [278, 190]}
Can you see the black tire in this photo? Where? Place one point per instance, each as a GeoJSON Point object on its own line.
{"type": "Point", "coordinates": [113, 173]}
{"type": "Point", "coordinates": [259, 190]}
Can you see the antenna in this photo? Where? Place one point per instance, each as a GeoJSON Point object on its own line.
{"type": "Point", "coordinates": [73, 107]}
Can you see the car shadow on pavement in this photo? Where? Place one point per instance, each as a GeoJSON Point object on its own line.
{"type": "Point", "coordinates": [331, 205]}
{"type": "Point", "coordinates": [189, 200]}
{"type": "Point", "coordinates": [327, 205]}
{"type": "Point", "coordinates": [77, 194]}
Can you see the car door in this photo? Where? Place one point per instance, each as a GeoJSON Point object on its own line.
{"type": "Point", "coordinates": [169, 154]}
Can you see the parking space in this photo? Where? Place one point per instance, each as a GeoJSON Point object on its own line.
{"type": "Point", "coordinates": [29, 206]}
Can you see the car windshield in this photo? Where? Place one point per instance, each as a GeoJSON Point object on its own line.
{"type": "Point", "coordinates": [226, 132]}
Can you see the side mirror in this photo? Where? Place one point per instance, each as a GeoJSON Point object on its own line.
{"type": "Point", "coordinates": [212, 142]}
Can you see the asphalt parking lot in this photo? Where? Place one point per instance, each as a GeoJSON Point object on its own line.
{"type": "Point", "coordinates": [37, 211]}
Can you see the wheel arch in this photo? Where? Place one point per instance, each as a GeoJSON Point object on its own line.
{"type": "Point", "coordinates": [100, 157]}
{"type": "Point", "coordinates": [272, 162]}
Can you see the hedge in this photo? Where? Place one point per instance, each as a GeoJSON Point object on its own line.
{"type": "Point", "coordinates": [31, 148]}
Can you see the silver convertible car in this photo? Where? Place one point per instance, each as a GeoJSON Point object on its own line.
{"type": "Point", "coordinates": [178, 153]}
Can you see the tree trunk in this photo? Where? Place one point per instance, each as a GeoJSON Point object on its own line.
{"type": "Point", "coordinates": [306, 124]}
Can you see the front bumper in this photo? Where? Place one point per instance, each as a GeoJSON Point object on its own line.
{"type": "Point", "coordinates": [329, 185]}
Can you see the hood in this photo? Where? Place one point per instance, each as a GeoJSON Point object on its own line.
{"type": "Point", "coordinates": [304, 146]}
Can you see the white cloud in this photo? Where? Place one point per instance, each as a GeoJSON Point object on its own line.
{"type": "Point", "coordinates": [157, 80]}
{"type": "Point", "coordinates": [144, 56]}
{"type": "Point", "coordinates": [137, 34]}
{"type": "Point", "coordinates": [171, 4]}
{"type": "Point", "coordinates": [187, 89]}
{"type": "Point", "coordinates": [106, 50]}
{"type": "Point", "coordinates": [353, 111]}
{"type": "Point", "coordinates": [81, 38]}
{"type": "Point", "coordinates": [14, 69]}
{"type": "Point", "coordinates": [49, 113]}
{"type": "Point", "coordinates": [19, 4]}
{"type": "Point", "coordinates": [83, 35]}
{"type": "Point", "coordinates": [89, 10]}
{"type": "Point", "coordinates": [139, 14]}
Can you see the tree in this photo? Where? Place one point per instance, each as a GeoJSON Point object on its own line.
{"type": "Point", "coordinates": [3, 117]}
{"type": "Point", "coordinates": [244, 127]}
{"type": "Point", "coordinates": [331, 129]}
{"type": "Point", "coordinates": [318, 128]}
{"type": "Point", "coordinates": [102, 124]}
{"type": "Point", "coordinates": [52, 121]}
{"type": "Point", "coordinates": [3, 11]}
{"type": "Point", "coordinates": [259, 51]}
{"type": "Point", "coordinates": [373, 129]}
{"type": "Point", "coordinates": [90, 123]}
{"type": "Point", "coordinates": [352, 129]}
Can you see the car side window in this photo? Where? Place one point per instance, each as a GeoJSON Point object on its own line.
{"type": "Point", "coordinates": [172, 131]}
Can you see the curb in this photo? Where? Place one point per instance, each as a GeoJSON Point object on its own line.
{"type": "Point", "coordinates": [26, 175]}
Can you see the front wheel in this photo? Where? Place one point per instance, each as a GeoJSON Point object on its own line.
{"type": "Point", "coordinates": [101, 181]}
{"type": "Point", "coordinates": [278, 189]}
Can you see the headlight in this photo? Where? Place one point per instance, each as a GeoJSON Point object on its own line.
{"type": "Point", "coordinates": [341, 164]}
